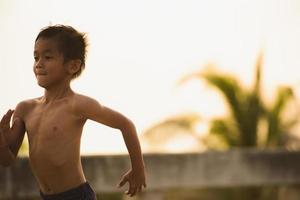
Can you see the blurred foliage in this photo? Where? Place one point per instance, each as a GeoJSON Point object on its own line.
{"type": "Point", "coordinates": [24, 147]}
{"type": "Point", "coordinates": [175, 124]}
{"type": "Point", "coordinates": [250, 122]}
{"type": "Point", "coordinates": [248, 112]}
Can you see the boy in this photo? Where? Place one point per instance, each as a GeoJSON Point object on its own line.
{"type": "Point", "coordinates": [54, 122]}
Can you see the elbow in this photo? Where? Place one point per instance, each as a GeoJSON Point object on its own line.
{"type": "Point", "coordinates": [127, 125]}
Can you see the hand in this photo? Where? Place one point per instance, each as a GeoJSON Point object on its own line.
{"type": "Point", "coordinates": [136, 180]}
{"type": "Point", "coordinates": [5, 128]}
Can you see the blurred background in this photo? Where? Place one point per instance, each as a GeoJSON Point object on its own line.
{"type": "Point", "coordinates": [193, 75]}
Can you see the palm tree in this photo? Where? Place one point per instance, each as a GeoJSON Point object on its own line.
{"type": "Point", "coordinates": [245, 106]}
{"type": "Point", "coordinates": [247, 112]}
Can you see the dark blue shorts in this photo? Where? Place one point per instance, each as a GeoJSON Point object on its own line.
{"type": "Point", "coordinates": [82, 192]}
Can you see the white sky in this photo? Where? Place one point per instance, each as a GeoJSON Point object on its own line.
{"type": "Point", "coordinates": [139, 49]}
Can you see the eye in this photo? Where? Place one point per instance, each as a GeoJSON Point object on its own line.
{"type": "Point", "coordinates": [48, 57]}
{"type": "Point", "coordinates": [36, 58]}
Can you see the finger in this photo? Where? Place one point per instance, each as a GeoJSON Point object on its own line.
{"type": "Point", "coordinates": [7, 116]}
{"type": "Point", "coordinates": [132, 191]}
{"type": "Point", "coordinates": [129, 189]}
{"type": "Point", "coordinates": [139, 189]}
{"type": "Point", "coordinates": [4, 123]}
{"type": "Point", "coordinates": [122, 182]}
{"type": "Point", "coordinates": [10, 112]}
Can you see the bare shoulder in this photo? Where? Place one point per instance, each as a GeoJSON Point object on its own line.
{"type": "Point", "coordinates": [82, 104]}
{"type": "Point", "coordinates": [25, 107]}
{"type": "Point", "coordinates": [89, 108]}
{"type": "Point", "coordinates": [80, 100]}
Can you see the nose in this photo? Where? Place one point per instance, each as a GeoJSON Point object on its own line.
{"type": "Point", "coordinates": [38, 63]}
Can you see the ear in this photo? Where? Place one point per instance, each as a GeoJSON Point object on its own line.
{"type": "Point", "coordinates": [74, 66]}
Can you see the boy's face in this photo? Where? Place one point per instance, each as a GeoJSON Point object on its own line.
{"type": "Point", "coordinates": [49, 67]}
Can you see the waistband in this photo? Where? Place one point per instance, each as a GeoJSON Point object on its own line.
{"type": "Point", "coordinates": [83, 191]}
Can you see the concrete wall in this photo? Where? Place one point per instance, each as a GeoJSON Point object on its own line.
{"type": "Point", "coordinates": [165, 171]}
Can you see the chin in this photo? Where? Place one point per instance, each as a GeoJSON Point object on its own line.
{"type": "Point", "coordinates": [42, 84]}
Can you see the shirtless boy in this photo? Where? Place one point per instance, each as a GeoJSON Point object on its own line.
{"type": "Point", "coordinates": [54, 122]}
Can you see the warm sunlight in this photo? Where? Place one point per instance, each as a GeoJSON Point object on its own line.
{"type": "Point", "coordinates": [138, 50]}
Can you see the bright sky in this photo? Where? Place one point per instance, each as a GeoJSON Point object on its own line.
{"type": "Point", "coordinates": [139, 49]}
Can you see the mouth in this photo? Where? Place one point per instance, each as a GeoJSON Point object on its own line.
{"type": "Point", "coordinates": [40, 74]}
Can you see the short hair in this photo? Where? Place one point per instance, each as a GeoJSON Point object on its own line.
{"type": "Point", "coordinates": [71, 43]}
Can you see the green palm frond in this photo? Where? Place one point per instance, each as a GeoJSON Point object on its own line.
{"type": "Point", "coordinates": [229, 88]}
{"type": "Point", "coordinates": [243, 105]}
{"type": "Point", "coordinates": [258, 72]}
{"type": "Point", "coordinates": [247, 112]}
{"type": "Point", "coordinates": [225, 129]}
{"type": "Point", "coordinates": [251, 108]}
{"type": "Point", "coordinates": [274, 116]}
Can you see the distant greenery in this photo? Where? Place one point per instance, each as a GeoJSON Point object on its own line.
{"type": "Point", "coordinates": [24, 147]}
{"type": "Point", "coordinates": [251, 121]}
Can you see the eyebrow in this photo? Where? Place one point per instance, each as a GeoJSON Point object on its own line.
{"type": "Point", "coordinates": [44, 51]}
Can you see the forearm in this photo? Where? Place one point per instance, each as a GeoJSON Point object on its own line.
{"type": "Point", "coordinates": [133, 146]}
{"type": "Point", "coordinates": [6, 156]}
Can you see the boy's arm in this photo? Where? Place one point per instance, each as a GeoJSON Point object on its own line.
{"type": "Point", "coordinates": [11, 137]}
{"type": "Point", "coordinates": [91, 109]}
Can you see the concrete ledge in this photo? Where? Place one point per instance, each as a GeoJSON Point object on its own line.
{"type": "Point", "coordinates": [247, 167]}
{"type": "Point", "coordinates": [219, 169]}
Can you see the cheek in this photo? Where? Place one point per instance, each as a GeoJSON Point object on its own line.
{"type": "Point", "coordinates": [33, 69]}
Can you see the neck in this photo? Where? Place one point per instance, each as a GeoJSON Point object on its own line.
{"type": "Point", "coordinates": [57, 92]}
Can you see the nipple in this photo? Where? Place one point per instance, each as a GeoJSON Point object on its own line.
{"type": "Point", "coordinates": [54, 128]}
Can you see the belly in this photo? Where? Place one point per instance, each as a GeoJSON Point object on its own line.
{"type": "Point", "coordinates": [58, 176]}
{"type": "Point", "coordinates": [56, 167]}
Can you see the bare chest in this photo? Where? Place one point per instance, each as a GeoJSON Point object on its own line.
{"type": "Point", "coordinates": [46, 124]}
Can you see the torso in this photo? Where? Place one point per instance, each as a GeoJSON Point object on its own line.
{"type": "Point", "coordinates": [54, 131]}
